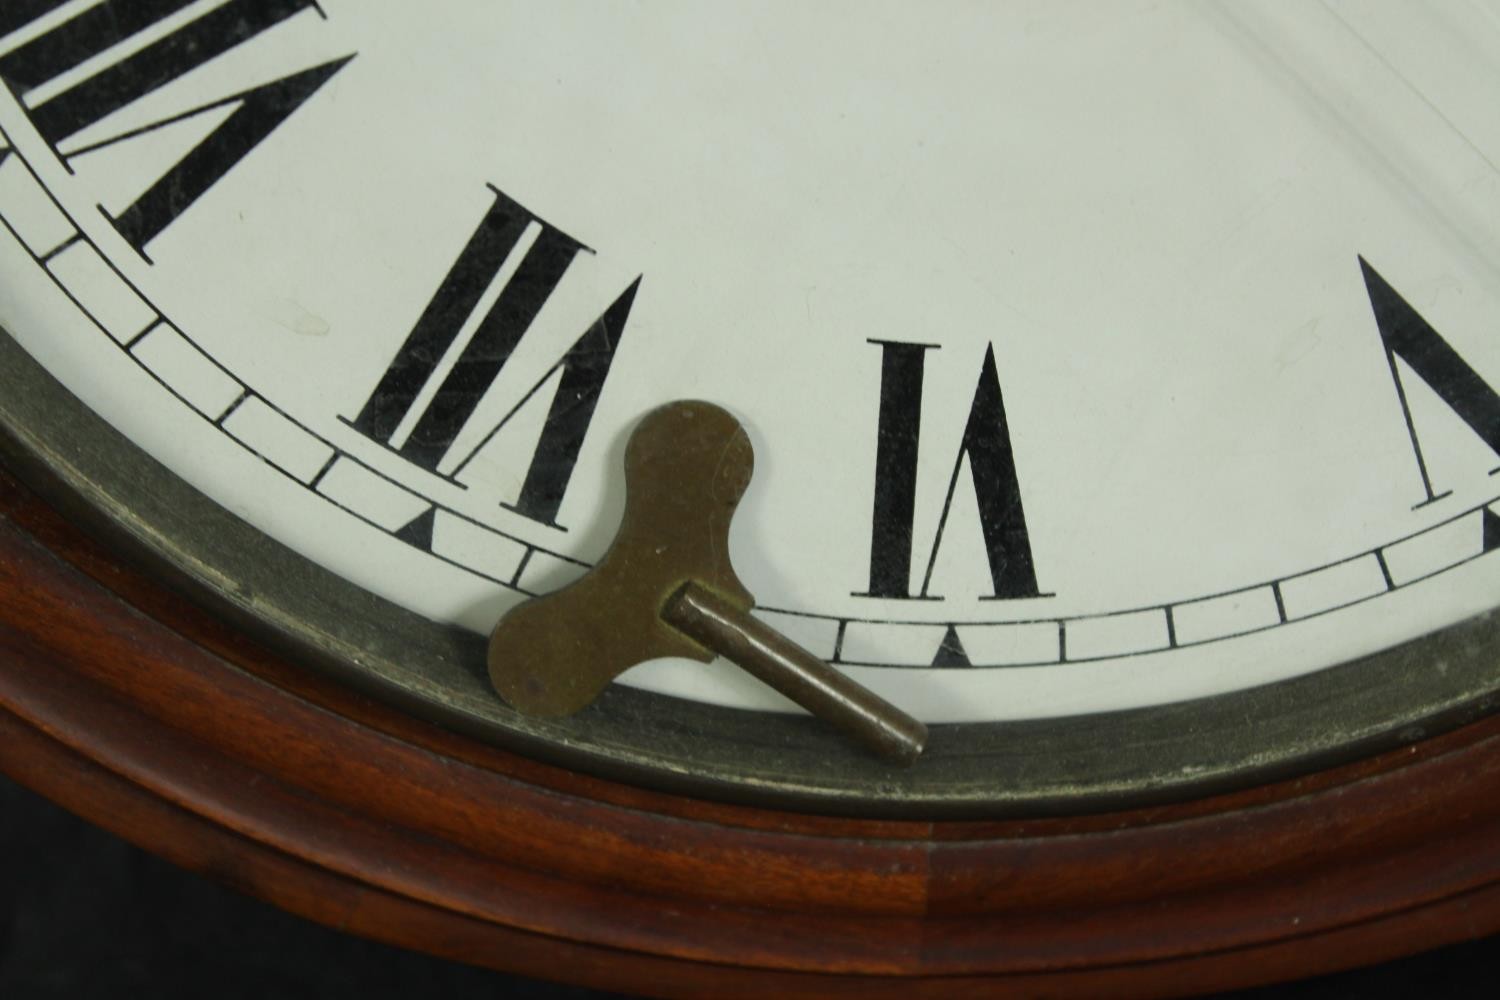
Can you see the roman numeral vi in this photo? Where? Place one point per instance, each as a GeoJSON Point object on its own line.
{"type": "Point", "coordinates": [985, 443]}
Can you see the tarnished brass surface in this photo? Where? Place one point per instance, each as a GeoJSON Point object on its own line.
{"type": "Point", "coordinates": [686, 467]}
{"type": "Point", "coordinates": [853, 709]}
{"type": "Point", "coordinates": [666, 588]}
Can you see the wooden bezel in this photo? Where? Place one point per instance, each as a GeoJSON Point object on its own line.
{"type": "Point", "coordinates": [127, 703]}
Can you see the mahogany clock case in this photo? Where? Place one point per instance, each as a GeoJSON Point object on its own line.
{"type": "Point", "coordinates": [162, 720]}
{"type": "Point", "coordinates": [106, 919]}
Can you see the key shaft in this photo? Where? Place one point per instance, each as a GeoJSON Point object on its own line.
{"type": "Point", "coordinates": [779, 662]}
{"type": "Point", "coordinates": [666, 588]}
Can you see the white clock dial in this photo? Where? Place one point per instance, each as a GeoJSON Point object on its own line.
{"type": "Point", "coordinates": [1096, 355]}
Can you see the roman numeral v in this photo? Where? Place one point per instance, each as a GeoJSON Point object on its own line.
{"type": "Point", "coordinates": [1405, 334]}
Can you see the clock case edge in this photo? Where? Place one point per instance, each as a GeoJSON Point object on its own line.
{"type": "Point", "coordinates": [154, 719]}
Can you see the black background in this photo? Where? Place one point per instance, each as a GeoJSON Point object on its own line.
{"type": "Point", "coordinates": [85, 915]}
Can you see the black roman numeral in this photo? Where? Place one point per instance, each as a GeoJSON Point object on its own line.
{"type": "Point", "coordinates": [99, 28]}
{"type": "Point", "coordinates": [1407, 335]}
{"type": "Point", "coordinates": [986, 445]}
{"type": "Point", "coordinates": [899, 432]}
{"type": "Point", "coordinates": [15, 14]}
{"type": "Point", "coordinates": [584, 366]}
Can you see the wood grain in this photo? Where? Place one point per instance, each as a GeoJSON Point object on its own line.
{"type": "Point", "coordinates": [131, 706]}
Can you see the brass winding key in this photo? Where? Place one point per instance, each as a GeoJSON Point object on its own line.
{"type": "Point", "coordinates": [666, 588]}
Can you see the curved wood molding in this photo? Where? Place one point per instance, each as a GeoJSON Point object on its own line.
{"type": "Point", "coordinates": [125, 703]}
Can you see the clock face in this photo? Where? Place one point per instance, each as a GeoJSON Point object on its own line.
{"type": "Point", "coordinates": [1102, 360]}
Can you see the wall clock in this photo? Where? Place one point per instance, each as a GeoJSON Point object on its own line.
{"type": "Point", "coordinates": [1123, 386]}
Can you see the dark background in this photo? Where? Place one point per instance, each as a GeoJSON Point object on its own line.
{"type": "Point", "coordinates": [85, 915]}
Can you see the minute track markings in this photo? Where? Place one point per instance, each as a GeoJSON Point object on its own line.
{"type": "Point", "coordinates": [1489, 526]}
{"type": "Point", "coordinates": [247, 393]}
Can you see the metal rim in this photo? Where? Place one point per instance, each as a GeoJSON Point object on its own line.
{"type": "Point", "coordinates": [1055, 766]}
